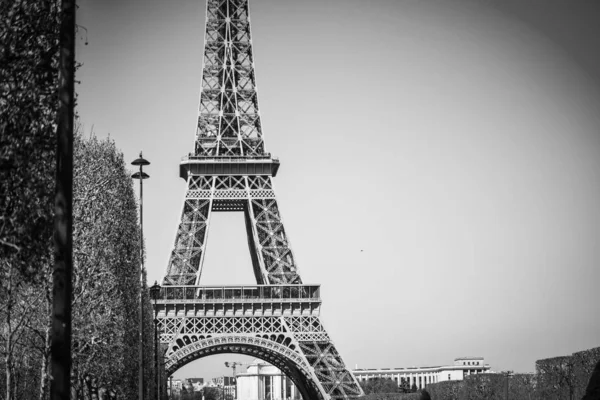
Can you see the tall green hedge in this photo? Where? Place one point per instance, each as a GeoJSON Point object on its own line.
{"type": "Point", "coordinates": [446, 390]}
{"type": "Point", "coordinates": [522, 386]}
{"type": "Point", "coordinates": [392, 396]}
{"type": "Point", "coordinates": [556, 378]}
{"type": "Point", "coordinates": [566, 377]}
{"type": "Point", "coordinates": [483, 387]}
{"type": "Point", "coordinates": [583, 366]}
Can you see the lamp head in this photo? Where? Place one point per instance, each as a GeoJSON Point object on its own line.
{"type": "Point", "coordinates": [155, 291]}
{"type": "Point", "coordinates": [140, 161]}
{"type": "Point", "coordinates": [143, 175]}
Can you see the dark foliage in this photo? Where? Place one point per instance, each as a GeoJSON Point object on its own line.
{"type": "Point", "coordinates": [106, 287]}
{"type": "Point", "coordinates": [483, 387]}
{"type": "Point", "coordinates": [28, 99]}
{"type": "Point", "coordinates": [392, 396]}
{"type": "Point", "coordinates": [404, 385]}
{"type": "Point", "coordinates": [28, 112]}
{"type": "Point", "coordinates": [446, 390]}
{"type": "Point", "coordinates": [379, 385]}
{"type": "Point", "coordinates": [584, 363]}
{"type": "Point", "coordinates": [593, 388]}
{"type": "Point", "coordinates": [106, 284]}
{"type": "Point", "coordinates": [557, 378]}
{"type": "Point", "coordinates": [522, 386]}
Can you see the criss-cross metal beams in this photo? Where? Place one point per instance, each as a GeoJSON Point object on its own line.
{"type": "Point", "coordinates": [337, 381]}
{"type": "Point", "coordinates": [281, 322]}
{"type": "Point", "coordinates": [272, 257]}
{"type": "Point", "coordinates": [229, 121]}
{"type": "Point", "coordinates": [268, 237]}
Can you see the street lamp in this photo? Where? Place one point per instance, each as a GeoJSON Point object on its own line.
{"type": "Point", "coordinates": [141, 175]}
{"type": "Point", "coordinates": [155, 294]}
{"type": "Point", "coordinates": [508, 375]}
{"type": "Point", "coordinates": [233, 365]}
{"type": "Point", "coordinates": [162, 378]}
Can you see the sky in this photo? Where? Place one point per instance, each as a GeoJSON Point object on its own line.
{"type": "Point", "coordinates": [440, 163]}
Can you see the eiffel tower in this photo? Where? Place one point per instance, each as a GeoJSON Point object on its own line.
{"type": "Point", "coordinates": [277, 319]}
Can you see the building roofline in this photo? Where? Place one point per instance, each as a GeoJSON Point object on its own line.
{"type": "Point", "coordinates": [412, 369]}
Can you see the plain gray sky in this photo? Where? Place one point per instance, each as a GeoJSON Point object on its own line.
{"type": "Point", "coordinates": [456, 143]}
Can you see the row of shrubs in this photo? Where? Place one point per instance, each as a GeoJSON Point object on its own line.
{"type": "Point", "coordinates": [392, 396]}
{"type": "Point", "coordinates": [555, 378]}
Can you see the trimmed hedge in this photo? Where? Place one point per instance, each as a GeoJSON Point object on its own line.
{"type": "Point", "coordinates": [522, 386]}
{"type": "Point", "coordinates": [392, 396]}
{"type": "Point", "coordinates": [447, 390]}
{"type": "Point", "coordinates": [566, 377]}
{"type": "Point", "coordinates": [557, 378]}
{"type": "Point", "coordinates": [483, 387]}
{"type": "Point", "coordinates": [583, 366]}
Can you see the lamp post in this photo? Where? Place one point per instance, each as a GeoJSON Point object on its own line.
{"type": "Point", "coordinates": [155, 294]}
{"type": "Point", "coordinates": [170, 387]}
{"type": "Point", "coordinates": [508, 375]}
{"type": "Point", "coordinates": [162, 362]}
{"type": "Point", "coordinates": [233, 365]}
{"type": "Point", "coordinates": [141, 175]}
{"type": "Point", "coordinates": [62, 287]}
{"type": "Point", "coordinates": [223, 387]}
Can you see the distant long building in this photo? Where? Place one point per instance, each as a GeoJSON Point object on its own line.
{"type": "Point", "coordinates": [422, 376]}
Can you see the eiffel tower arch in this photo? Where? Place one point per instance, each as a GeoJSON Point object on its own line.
{"type": "Point", "coordinates": [278, 319]}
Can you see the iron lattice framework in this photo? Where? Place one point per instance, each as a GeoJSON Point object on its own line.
{"type": "Point", "coordinates": [278, 319]}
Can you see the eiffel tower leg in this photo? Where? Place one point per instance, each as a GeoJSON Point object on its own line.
{"type": "Point", "coordinates": [271, 253]}
{"type": "Point", "coordinates": [255, 254]}
{"type": "Point", "coordinates": [328, 368]}
{"type": "Point", "coordinates": [185, 263]}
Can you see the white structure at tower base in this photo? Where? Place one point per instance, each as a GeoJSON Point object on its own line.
{"type": "Point", "coordinates": [263, 381]}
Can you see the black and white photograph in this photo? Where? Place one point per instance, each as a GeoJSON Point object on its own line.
{"type": "Point", "coordinates": [300, 200]}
